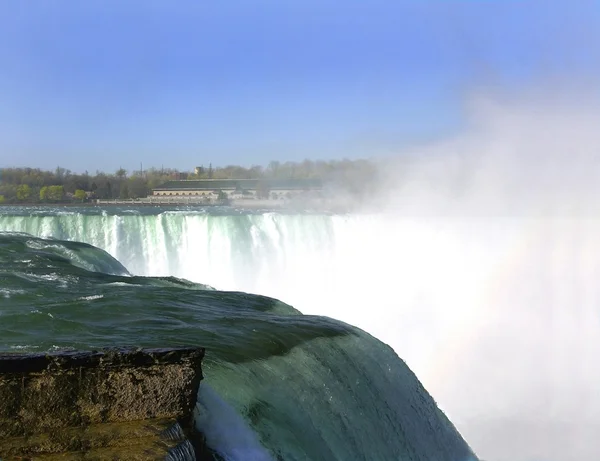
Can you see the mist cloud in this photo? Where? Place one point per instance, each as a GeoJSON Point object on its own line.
{"type": "Point", "coordinates": [501, 282]}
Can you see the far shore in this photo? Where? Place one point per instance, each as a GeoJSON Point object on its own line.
{"type": "Point", "coordinates": [140, 203]}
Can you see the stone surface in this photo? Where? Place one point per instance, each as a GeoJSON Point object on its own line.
{"type": "Point", "coordinates": [90, 405]}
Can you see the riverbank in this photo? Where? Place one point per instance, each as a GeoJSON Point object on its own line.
{"type": "Point", "coordinates": [155, 202]}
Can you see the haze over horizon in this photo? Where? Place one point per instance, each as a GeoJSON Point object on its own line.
{"type": "Point", "coordinates": [102, 85]}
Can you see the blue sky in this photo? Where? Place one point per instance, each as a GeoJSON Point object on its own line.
{"type": "Point", "coordinates": [100, 84]}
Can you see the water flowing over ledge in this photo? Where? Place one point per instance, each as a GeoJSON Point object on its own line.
{"type": "Point", "coordinates": [280, 385]}
{"type": "Point", "coordinates": [446, 293]}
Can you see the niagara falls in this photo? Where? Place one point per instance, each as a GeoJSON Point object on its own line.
{"type": "Point", "coordinates": [297, 231]}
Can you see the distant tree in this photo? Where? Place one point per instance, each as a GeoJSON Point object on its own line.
{"type": "Point", "coordinates": [9, 191]}
{"type": "Point", "coordinates": [23, 192]}
{"type": "Point", "coordinates": [101, 186]}
{"type": "Point", "coordinates": [124, 191]}
{"type": "Point", "coordinates": [2, 199]}
{"type": "Point", "coordinates": [273, 168]}
{"type": "Point", "coordinates": [76, 181]}
{"type": "Point", "coordinates": [44, 193]}
{"type": "Point", "coordinates": [255, 172]}
{"type": "Point", "coordinates": [56, 193]}
{"type": "Point", "coordinates": [60, 173]}
{"type": "Point", "coordinates": [137, 187]}
{"type": "Point", "coordinates": [80, 195]}
{"type": "Point", "coordinates": [121, 173]}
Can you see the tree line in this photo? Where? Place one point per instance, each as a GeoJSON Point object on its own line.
{"type": "Point", "coordinates": [34, 185]}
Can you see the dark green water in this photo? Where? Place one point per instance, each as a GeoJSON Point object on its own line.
{"type": "Point", "coordinates": [278, 384]}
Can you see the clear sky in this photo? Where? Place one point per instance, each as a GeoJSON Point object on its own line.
{"type": "Point", "coordinates": [99, 84]}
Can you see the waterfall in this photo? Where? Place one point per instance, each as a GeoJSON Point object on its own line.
{"type": "Point", "coordinates": [496, 316]}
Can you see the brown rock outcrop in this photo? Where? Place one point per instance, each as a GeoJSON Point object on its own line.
{"type": "Point", "coordinates": [100, 405]}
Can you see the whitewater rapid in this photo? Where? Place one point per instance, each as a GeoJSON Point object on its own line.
{"type": "Point", "coordinates": [489, 312]}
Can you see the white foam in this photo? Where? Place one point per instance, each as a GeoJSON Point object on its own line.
{"type": "Point", "coordinates": [7, 293]}
{"type": "Point", "coordinates": [91, 297]}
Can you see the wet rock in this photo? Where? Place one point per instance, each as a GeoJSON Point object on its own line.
{"type": "Point", "coordinates": [110, 404]}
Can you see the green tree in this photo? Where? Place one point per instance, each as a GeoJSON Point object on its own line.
{"type": "Point", "coordinates": [60, 173]}
{"type": "Point", "coordinates": [79, 195]}
{"type": "Point", "coordinates": [2, 199]}
{"type": "Point", "coordinates": [44, 193]}
{"type": "Point", "coordinates": [23, 192]}
{"type": "Point", "coordinates": [138, 187]}
{"type": "Point", "coordinates": [124, 191]}
{"type": "Point", "coordinates": [56, 193]}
